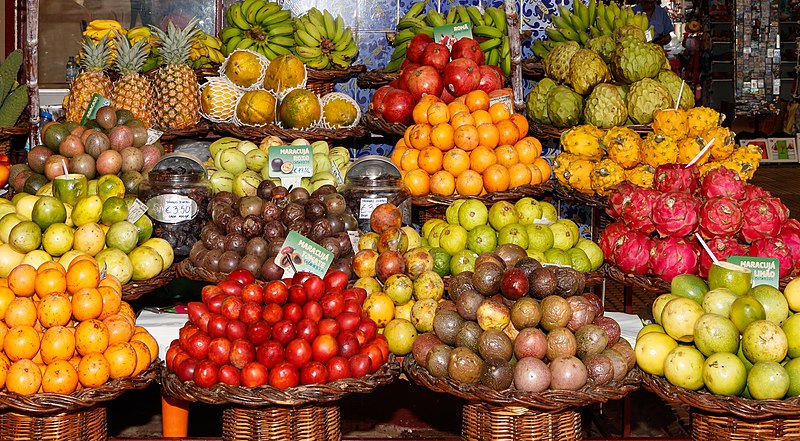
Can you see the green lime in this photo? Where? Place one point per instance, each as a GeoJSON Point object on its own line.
{"type": "Point", "coordinates": [441, 261]}
{"type": "Point", "coordinates": [110, 185]}
{"type": "Point", "coordinates": [453, 238]}
{"type": "Point", "coordinates": [48, 211]}
{"type": "Point", "coordinates": [114, 210]}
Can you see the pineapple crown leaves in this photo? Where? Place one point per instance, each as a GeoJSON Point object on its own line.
{"type": "Point", "coordinates": [130, 58]}
{"type": "Point", "coordinates": [176, 43]}
{"type": "Point", "coordinates": [94, 55]}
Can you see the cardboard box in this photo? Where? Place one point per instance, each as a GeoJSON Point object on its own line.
{"type": "Point", "coordinates": [782, 150]}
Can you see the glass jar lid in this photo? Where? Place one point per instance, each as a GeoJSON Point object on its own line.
{"type": "Point", "coordinates": [373, 167]}
{"type": "Point", "coordinates": [180, 160]}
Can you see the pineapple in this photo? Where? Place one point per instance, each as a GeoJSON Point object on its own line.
{"type": "Point", "coordinates": [607, 174]}
{"type": "Point", "coordinates": [133, 91]}
{"type": "Point", "coordinates": [658, 150]}
{"type": "Point", "coordinates": [672, 123]}
{"type": "Point", "coordinates": [175, 83]}
{"type": "Point", "coordinates": [92, 80]}
{"type": "Point", "coordinates": [624, 146]}
{"type": "Point", "coordinates": [701, 119]}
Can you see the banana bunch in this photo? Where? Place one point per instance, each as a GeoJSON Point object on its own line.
{"type": "Point", "coordinates": [97, 29]}
{"type": "Point", "coordinates": [259, 25]}
{"type": "Point", "coordinates": [323, 42]}
{"type": "Point", "coordinates": [139, 33]}
{"type": "Point", "coordinates": [490, 26]}
{"type": "Point", "coordinates": [206, 51]}
{"type": "Point", "coordinates": [587, 21]}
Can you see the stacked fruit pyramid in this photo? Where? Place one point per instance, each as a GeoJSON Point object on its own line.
{"type": "Point", "coordinates": [594, 160]}
{"type": "Point", "coordinates": [468, 148]}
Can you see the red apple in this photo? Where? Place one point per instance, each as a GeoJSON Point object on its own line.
{"type": "Point", "coordinates": [254, 374]}
{"type": "Point", "coordinates": [206, 373]}
{"type": "Point", "coordinates": [259, 332]}
{"type": "Point", "coordinates": [235, 330]}
{"type": "Point", "coordinates": [360, 365]}
{"type": "Point", "coordinates": [348, 344]}
{"type": "Point", "coordinates": [173, 350]}
{"type": "Point", "coordinates": [436, 55]}
{"type": "Point", "coordinates": [416, 47]}
{"type": "Point", "coordinates": [198, 345]}
{"type": "Point", "coordinates": [276, 292]}
{"type": "Point", "coordinates": [369, 328]}
{"type": "Point", "coordinates": [187, 330]}
{"type": "Point", "coordinates": [314, 373]}
{"type": "Point", "coordinates": [180, 357]}
{"type": "Point", "coordinates": [270, 354]}
{"type": "Point", "coordinates": [250, 313]}
{"type": "Point", "coordinates": [338, 368]}
{"type": "Point", "coordinates": [219, 350]}
{"type": "Point", "coordinates": [283, 332]}
{"type": "Point", "coordinates": [491, 80]}
{"type": "Point", "coordinates": [352, 306]}
{"type": "Point", "coordinates": [375, 355]}
{"type": "Point", "coordinates": [298, 352]}
{"type": "Point", "coordinates": [315, 287]}
{"type": "Point", "coordinates": [292, 312]}
{"type": "Point", "coordinates": [332, 304]}
{"type": "Point", "coordinates": [232, 307]}
{"type": "Point", "coordinates": [210, 291]}
{"type": "Point", "coordinates": [461, 76]}
{"type": "Point", "coordinates": [424, 80]}
{"type": "Point", "coordinates": [324, 348]}
{"type": "Point", "coordinates": [307, 330]}
{"type": "Point", "coordinates": [242, 352]}
{"type": "Point", "coordinates": [186, 369]}
{"type": "Point", "coordinates": [242, 276]}
{"type": "Point", "coordinates": [397, 107]}
{"type": "Point", "coordinates": [229, 375]}
{"type": "Point", "coordinates": [195, 310]}
{"type": "Point", "coordinates": [297, 295]}
{"type": "Point", "coordinates": [272, 313]}
{"type": "Point", "coordinates": [467, 48]}
{"type": "Point", "coordinates": [231, 287]}
{"type": "Point", "coordinates": [217, 326]}
{"type": "Point", "coordinates": [253, 293]}
{"type": "Point", "coordinates": [312, 311]}
{"type": "Point", "coordinates": [377, 98]}
{"type": "Point", "coordinates": [328, 326]}
{"type": "Point", "coordinates": [202, 322]}
{"type": "Point", "coordinates": [284, 376]}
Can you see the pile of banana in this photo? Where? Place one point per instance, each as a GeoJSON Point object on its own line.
{"type": "Point", "coordinates": [489, 26]}
{"type": "Point", "coordinates": [323, 42]}
{"type": "Point", "coordinates": [97, 29]}
{"type": "Point", "coordinates": [260, 26]}
{"type": "Point", "coordinates": [588, 21]}
{"type": "Point", "coordinates": [206, 51]}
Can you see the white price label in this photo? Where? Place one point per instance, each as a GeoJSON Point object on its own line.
{"type": "Point", "coordinates": [153, 135]}
{"type": "Point", "coordinates": [543, 222]}
{"type": "Point", "coordinates": [171, 208]}
{"type": "Point", "coordinates": [337, 173]}
{"type": "Point", "coordinates": [354, 237]}
{"type": "Point", "coordinates": [648, 35]}
{"type": "Point", "coordinates": [503, 99]}
{"type": "Point", "coordinates": [368, 205]}
{"type": "Point", "coordinates": [136, 211]}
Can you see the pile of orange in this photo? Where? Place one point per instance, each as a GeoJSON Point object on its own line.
{"type": "Point", "coordinates": [468, 147]}
{"type": "Point", "coordinates": [65, 330]}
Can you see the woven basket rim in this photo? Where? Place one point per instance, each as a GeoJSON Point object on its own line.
{"type": "Point", "coordinates": [264, 396]}
{"type": "Point", "coordinates": [565, 193]}
{"type": "Point", "coordinates": [532, 68]}
{"type": "Point", "coordinates": [314, 134]}
{"type": "Point", "coordinates": [187, 270]}
{"type": "Point", "coordinates": [336, 75]}
{"type": "Point", "coordinates": [200, 129]}
{"type": "Point", "coordinates": [705, 401]}
{"type": "Point", "coordinates": [376, 78]}
{"type": "Point", "coordinates": [135, 289]}
{"type": "Point", "coordinates": [21, 127]}
{"type": "Point", "coordinates": [377, 124]}
{"type": "Point", "coordinates": [490, 198]}
{"type": "Point", "coordinates": [49, 403]}
{"type": "Point", "coordinates": [655, 284]}
{"type": "Point", "coordinates": [550, 400]}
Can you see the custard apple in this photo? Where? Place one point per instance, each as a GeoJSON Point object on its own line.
{"type": "Point", "coordinates": [604, 45]}
{"type": "Point", "coordinates": [586, 70]}
{"type": "Point", "coordinates": [630, 31]}
{"type": "Point", "coordinates": [564, 106]}
{"type": "Point", "coordinates": [623, 90]}
{"type": "Point", "coordinates": [536, 102]}
{"type": "Point", "coordinates": [556, 63]}
{"type": "Point", "coordinates": [605, 107]}
{"type": "Point", "coordinates": [634, 60]}
{"type": "Point", "coordinates": [673, 83]}
{"type": "Point", "coordinates": [645, 98]}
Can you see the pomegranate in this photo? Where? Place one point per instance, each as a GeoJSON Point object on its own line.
{"type": "Point", "coordinates": [720, 216]}
{"type": "Point", "coordinates": [461, 76]}
{"type": "Point", "coordinates": [397, 106]}
{"type": "Point", "coordinates": [722, 247]}
{"type": "Point", "coordinates": [490, 79]}
{"type": "Point", "coordinates": [436, 55]}
{"type": "Point", "coordinates": [675, 214]}
{"type": "Point", "coordinates": [673, 256]}
{"type": "Point", "coordinates": [632, 253]}
{"type": "Point", "coordinates": [636, 213]}
{"type": "Point", "coordinates": [416, 47]}
{"type": "Point", "coordinates": [404, 74]}
{"type": "Point", "coordinates": [446, 97]}
{"type": "Point", "coordinates": [378, 96]}
{"type": "Point", "coordinates": [676, 177]}
{"type": "Point", "coordinates": [467, 48]}
{"type": "Point", "coordinates": [762, 219]}
{"type": "Point", "coordinates": [722, 182]}
{"type": "Point", "coordinates": [619, 197]}
{"type": "Point", "coordinates": [609, 238]}
{"type": "Point", "coordinates": [424, 80]}
{"type": "Point", "coordinates": [776, 248]}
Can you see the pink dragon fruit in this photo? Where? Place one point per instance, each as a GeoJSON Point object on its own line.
{"type": "Point", "coordinates": [762, 219]}
{"type": "Point", "coordinates": [776, 248]}
{"type": "Point", "coordinates": [676, 177]}
{"type": "Point", "coordinates": [754, 191]}
{"type": "Point", "coordinates": [609, 237]}
{"type": "Point", "coordinates": [675, 214]}
{"type": "Point", "coordinates": [783, 210]}
{"type": "Point", "coordinates": [673, 256]}
{"type": "Point", "coordinates": [618, 198]}
{"type": "Point", "coordinates": [632, 253]}
{"type": "Point", "coordinates": [722, 247]}
{"type": "Point", "coordinates": [720, 216]}
{"type": "Point", "coordinates": [790, 234]}
{"type": "Point", "coordinates": [636, 213]}
{"type": "Point", "coordinates": [722, 182]}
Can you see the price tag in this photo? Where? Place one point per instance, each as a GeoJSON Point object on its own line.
{"type": "Point", "coordinates": [95, 103]}
{"type": "Point", "coordinates": [299, 254]}
{"type": "Point", "coordinates": [543, 221]}
{"type": "Point", "coordinates": [766, 271]}
{"type": "Point", "coordinates": [171, 208]}
{"type": "Point", "coordinates": [136, 211]}
{"type": "Point", "coordinates": [648, 35]}
{"type": "Point", "coordinates": [153, 135]}
{"type": "Point", "coordinates": [354, 238]}
{"type": "Point", "coordinates": [449, 34]}
{"type": "Point", "coordinates": [337, 173]}
{"type": "Point", "coordinates": [368, 205]}
{"type": "Point", "coordinates": [290, 163]}
{"type": "Point", "coordinates": [505, 98]}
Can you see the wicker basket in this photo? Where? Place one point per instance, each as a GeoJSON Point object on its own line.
{"type": "Point", "coordinates": [313, 423]}
{"type": "Point", "coordinates": [566, 194]}
{"type": "Point", "coordinates": [376, 78]}
{"type": "Point", "coordinates": [315, 134]}
{"type": "Point", "coordinates": [323, 82]}
{"type": "Point", "coordinates": [200, 129]}
{"type": "Point", "coordinates": [376, 124]}
{"type": "Point", "coordinates": [187, 270]}
{"type": "Point", "coordinates": [484, 422]}
{"type": "Point", "coordinates": [548, 131]}
{"type": "Point", "coordinates": [134, 290]}
{"type": "Point", "coordinates": [321, 88]}
{"type": "Point", "coordinates": [655, 284]}
{"type": "Point", "coordinates": [532, 68]}
{"type": "Point", "coordinates": [22, 127]}
{"type": "Point", "coordinates": [82, 425]}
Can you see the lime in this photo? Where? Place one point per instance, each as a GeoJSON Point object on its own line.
{"type": "Point", "coordinates": [400, 335]}
{"type": "Point", "coordinates": [116, 263]}
{"type": "Point", "coordinates": [57, 239]}
{"type": "Point", "coordinates": [528, 210]}
{"type": "Point", "coordinates": [146, 262]}
{"type": "Point", "coordinates": [48, 211]}
{"type": "Point", "coordinates": [482, 239]}
{"type": "Point", "coordinates": [427, 227]}
{"type": "Point", "coordinates": [441, 261]}
{"type": "Point", "coordinates": [453, 238]}
{"type": "Point", "coordinates": [727, 275]}
{"type": "Point", "coordinates": [123, 236]}
{"type": "Point", "coordinates": [87, 210]}
{"type": "Point", "coordinates": [110, 185]}
{"type": "Point", "coordinates": [557, 257]}
{"type": "Point", "coordinates": [689, 286]}
{"type": "Point", "coordinates": [768, 380]}
{"type": "Point", "coordinates": [451, 214]}
{"type": "Point", "coordinates": [724, 374]}
{"type": "Point", "coordinates": [580, 261]}
{"type": "Point", "coordinates": [473, 213]}
{"type": "Point", "coordinates": [25, 236]}
{"type": "Point", "coordinates": [114, 210]}
{"type": "Point", "coordinates": [461, 261]}
{"type": "Point", "coordinates": [89, 238]}
{"type": "Point", "coordinates": [144, 228]}
{"type": "Point", "coordinates": [513, 233]}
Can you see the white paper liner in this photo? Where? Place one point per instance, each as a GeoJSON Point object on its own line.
{"type": "Point", "coordinates": [302, 85]}
{"type": "Point", "coordinates": [264, 64]}
{"type": "Point", "coordinates": [240, 123]}
{"type": "Point", "coordinates": [313, 124]}
{"type": "Point", "coordinates": [339, 96]}
{"type": "Point", "coordinates": [237, 91]}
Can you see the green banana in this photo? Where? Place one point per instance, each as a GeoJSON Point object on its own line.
{"type": "Point", "coordinates": [246, 43]}
{"type": "Point", "coordinates": [505, 49]}
{"type": "Point", "coordinates": [577, 22]}
{"type": "Point", "coordinates": [282, 41]}
{"type": "Point", "coordinates": [451, 16]}
{"type": "Point", "coordinates": [488, 20]}
{"type": "Point", "coordinates": [399, 52]}
{"type": "Point", "coordinates": [554, 34]}
{"type": "Point", "coordinates": [415, 10]}
{"type": "Point", "coordinates": [435, 19]}
{"type": "Point", "coordinates": [232, 44]}
{"type": "Point", "coordinates": [348, 53]}
{"type": "Point", "coordinates": [539, 49]}
{"type": "Point", "coordinates": [304, 38]}
{"type": "Point", "coordinates": [562, 23]}
{"type": "Point", "coordinates": [344, 42]}
{"type": "Point", "coordinates": [251, 13]}
{"type": "Point", "coordinates": [592, 11]}
{"type": "Point", "coordinates": [394, 65]}
{"type": "Point", "coordinates": [338, 61]}
{"type": "Point", "coordinates": [594, 31]}
{"type": "Point", "coordinates": [499, 18]}
{"type": "Point", "coordinates": [281, 30]}
{"type": "Point", "coordinates": [330, 24]}
{"type": "Point", "coordinates": [340, 29]}
{"type": "Point", "coordinates": [463, 15]}
{"type": "Point", "coordinates": [424, 30]}
{"type": "Point", "coordinates": [492, 57]}
{"type": "Point", "coordinates": [486, 31]}
{"type": "Point", "coordinates": [227, 33]}
{"type": "Point", "coordinates": [264, 49]}
{"type": "Point", "coordinates": [490, 44]}
{"type": "Point", "coordinates": [236, 17]}
{"type": "Point", "coordinates": [266, 11]}
{"type": "Point", "coordinates": [403, 36]}
{"type": "Point", "coordinates": [582, 13]}
{"type": "Point", "coordinates": [583, 37]}
{"type": "Point", "coordinates": [278, 17]}
{"type": "Point", "coordinates": [308, 52]}
{"type": "Point", "coordinates": [505, 66]}
{"type": "Point", "coordinates": [407, 23]}
{"type": "Point", "coordinates": [316, 18]}
{"type": "Point", "coordinates": [570, 34]}
{"type": "Point", "coordinates": [280, 49]}
{"type": "Point", "coordinates": [247, 6]}
{"type": "Point", "coordinates": [475, 15]}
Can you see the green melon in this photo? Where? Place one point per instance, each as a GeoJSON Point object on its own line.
{"type": "Point", "coordinates": [300, 109]}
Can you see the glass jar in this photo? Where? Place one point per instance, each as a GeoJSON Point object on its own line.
{"type": "Point", "coordinates": [363, 194]}
{"type": "Point", "coordinates": [177, 201]}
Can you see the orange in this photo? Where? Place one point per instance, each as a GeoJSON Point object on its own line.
{"type": "Point", "coordinates": [21, 311]}
{"type": "Point", "coordinates": [82, 274]}
{"type": "Point", "coordinates": [126, 310]}
{"type": "Point", "coordinates": [22, 280]}
{"type": "Point", "coordinates": [21, 342]}
{"type": "Point", "coordinates": [420, 136]}
{"type": "Point", "coordinates": [6, 297]}
{"type": "Point", "coordinates": [499, 112]}
{"type": "Point", "coordinates": [111, 281]}
{"type": "Point", "coordinates": [60, 377]}
{"type": "Point", "coordinates": [3, 332]}
{"type": "Point", "coordinates": [119, 329]}
{"type": "Point", "coordinates": [147, 339]}
{"type": "Point", "coordinates": [481, 158]}
{"type": "Point", "coordinates": [519, 174]}
{"type": "Point", "coordinates": [506, 155]}
{"type": "Point", "coordinates": [488, 135]}
{"type": "Point", "coordinates": [438, 113]}
{"type": "Point", "coordinates": [443, 183]}
{"type": "Point", "coordinates": [477, 100]}
{"type": "Point", "coordinates": [80, 258]}
{"type": "Point", "coordinates": [397, 154]}
{"type": "Point", "coordinates": [111, 301]}
{"type": "Point", "coordinates": [407, 136]}
{"type": "Point", "coordinates": [462, 118]}
{"type": "Point", "coordinates": [544, 167]}
{"type": "Point", "coordinates": [50, 281]}
{"type": "Point", "coordinates": [509, 133]}
{"type": "Point", "coordinates": [456, 107]}
{"type": "Point", "coordinates": [469, 183]}
{"type": "Point", "coordinates": [142, 357]}
{"type": "Point", "coordinates": [121, 360]}
{"type": "Point", "coordinates": [442, 136]}
{"type": "Point", "coordinates": [54, 310]}
{"type": "Point", "coordinates": [93, 370]}
{"type": "Point", "coordinates": [521, 122]}
{"type": "Point", "coordinates": [417, 182]}
{"type": "Point", "coordinates": [4, 365]}
{"type": "Point", "coordinates": [410, 159]}
{"type": "Point", "coordinates": [420, 113]}
{"type": "Point", "coordinates": [456, 161]}
{"type": "Point", "coordinates": [430, 159]}
{"type": "Point", "coordinates": [536, 174]}
{"type": "Point", "coordinates": [496, 178]}
{"type": "Point", "coordinates": [481, 117]}
{"type": "Point", "coordinates": [466, 137]}
{"type": "Point", "coordinates": [460, 99]}
{"type": "Point", "coordinates": [51, 264]}
{"type": "Point", "coordinates": [528, 148]}
{"type": "Point", "coordinates": [24, 378]}
{"type": "Point", "coordinates": [91, 337]}
{"type": "Point", "coordinates": [87, 304]}
{"type": "Point", "coordinates": [58, 343]}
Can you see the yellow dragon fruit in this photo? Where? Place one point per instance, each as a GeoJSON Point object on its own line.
{"type": "Point", "coordinates": [658, 150]}
{"type": "Point", "coordinates": [583, 141]}
{"type": "Point", "coordinates": [701, 119]}
{"type": "Point", "coordinates": [623, 146]}
{"type": "Point", "coordinates": [724, 142]}
{"type": "Point", "coordinates": [643, 176]}
{"type": "Point", "coordinates": [671, 122]}
{"type": "Point", "coordinates": [689, 147]}
{"type": "Point", "coordinates": [606, 175]}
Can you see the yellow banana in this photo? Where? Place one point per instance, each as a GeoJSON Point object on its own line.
{"type": "Point", "coordinates": [105, 24]}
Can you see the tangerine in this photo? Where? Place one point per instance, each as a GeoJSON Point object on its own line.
{"type": "Point", "coordinates": [119, 328]}
{"type": "Point", "coordinates": [481, 158]}
{"type": "Point", "coordinates": [397, 154]}
{"type": "Point", "coordinates": [93, 370]}
{"type": "Point", "coordinates": [456, 161]}
{"type": "Point", "coordinates": [469, 183]}
{"type": "Point", "coordinates": [488, 135]}
{"type": "Point", "coordinates": [410, 160]}
{"type": "Point", "coordinates": [508, 131]}
{"type": "Point", "coordinates": [21, 342]}
{"type": "Point", "coordinates": [507, 155]}
{"type": "Point", "coordinates": [438, 113]}
{"type": "Point", "coordinates": [528, 148]}
{"type": "Point", "coordinates": [481, 117]}
{"type": "Point", "coordinates": [496, 178]}
{"type": "Point", "coordinates": [521, 122]}
{"type": "Point", "coordinates": [466, 137]}
{"type": "Point", "coordinates": [457, 107]}
{"type": "Point", "coordinates": [519, 174]}
{"type": "Point", "coordinates": [111, 301]}
{"type": "Point", "coordinates": [543, 167]}
{"type": "Point", "coordinates": [430, 159]}
{"type": "Point", "coordinates": [126, 310]}
{"type": "Point", "coordinates": [91, 337]}
{"type": "Point", "coordinates": [417, 182]}
{"type": "Point", "coordinates": [536, 174]}
{"type": "Point", "coordinates": [58, 343]}
{"type": "Point", "coordinates": [443, 183]}
{"type": "Point", "coordinates": [462, 118]}
{"type": "Point", "coordinates": [442, 136]}
{"type": "Point", "coordinates": [80, 258]}
{"type": "Point", "coordinates": [121, 360]}
{"type": "Point", "coordinates": [60, 378]}
{"type": "Point", "coordinates": [420, 112]}
{"type": "Point", "coordinates": [82, 274]}
{"type": "Point", "coordinates": [147, 339]}
{"type": "Point", "coordinates": [22, 280]}
{"type": "Point", "coordinates": [420, 136]}
{"type": "Point", "coordinates": [111, 281]}
{"type": "Point", "coordinates": [499, 112]}
{"type": "Point", "coordinates": [87, 304]}
{"type": "Point", "coordinates": [50, 281]}
{"type": "Point", "coordinates": [4, 365]}
{"type": "Point", "coordinates": [24, 377]}
{"type": "Point", "coordinates": [54, 310]}
{"type": "Point", "coordinates": [21, 311]}
{"type": "Point", "coordinates": [6, 297]}
{"type": "Point", "coordinates": [477, 100]}
{"type": "Point", "coordinates": [51, 264]}
{"type": "Point", "coordinates": [142, 356]}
